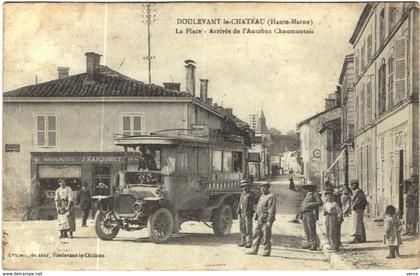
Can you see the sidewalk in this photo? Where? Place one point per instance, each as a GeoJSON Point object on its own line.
{"type": "Point", "coordinates": [371, 254]}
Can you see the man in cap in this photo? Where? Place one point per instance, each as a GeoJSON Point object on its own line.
{"type": "Point", "coordinates": [265, 216]}
{"type": "Point", "coordinates": [358, 205]}
{"type": "Point", "coordinates": [84, 200]}
{"type": "Point", "coordinates": [245, 212]}
{"type": "Point", "coordinates": [310, 213]}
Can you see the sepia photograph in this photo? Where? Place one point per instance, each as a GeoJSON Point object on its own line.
{"type": "Point", "coordinates": [210, 136]}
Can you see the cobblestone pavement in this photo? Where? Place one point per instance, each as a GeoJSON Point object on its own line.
{"type": "Point", "coordinates": [195, 248]}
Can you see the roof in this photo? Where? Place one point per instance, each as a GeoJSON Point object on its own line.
{"type": "Point", "coordinates": [347, 59]}
{"type": "Point", "coordinates": [360, 24]}
{"type": "Point", "coordinates": [109, 83]}
{"type": "Point", "coordinates": [316, 115]}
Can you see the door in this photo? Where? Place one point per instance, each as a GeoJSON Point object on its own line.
{"type": "Point", "coordinates": [401, 184]}
{"type": "Point", "coordinates": [101, 179]}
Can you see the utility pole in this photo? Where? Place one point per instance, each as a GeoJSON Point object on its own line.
{"type": "Point", "coordinates": [149, 17]}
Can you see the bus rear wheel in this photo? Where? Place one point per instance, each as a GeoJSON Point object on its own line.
{"type": "Point", "coordinates": [222, 220]}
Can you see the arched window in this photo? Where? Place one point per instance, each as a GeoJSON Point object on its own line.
{"type": "Point", "coordinates": [382, 26]}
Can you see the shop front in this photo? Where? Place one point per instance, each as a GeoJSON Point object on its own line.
{"type": "Point", "coordinates": [97, 169]}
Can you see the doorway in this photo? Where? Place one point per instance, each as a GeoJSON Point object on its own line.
{"type": "Point", "coordinates": [401, 184]}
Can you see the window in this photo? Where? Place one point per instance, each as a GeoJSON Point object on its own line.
{"type": "Point", "coordinates": [227, 161]}
{"type": "Point", "coordinates": [46, 130]}
{"type": "Point", "coordinates": [369, 47]}
{"type": "Point", "coordinates": [237, 161]}
{"type": "Point", "coordinates": [368, 102]}
{"type": "Point", "coordinates": [382, 27]}
{"type": "Point", "coordinates": [131, 124]}
{"type": "Point", "coordinates": [382, 88]}
{"type": "Point", "coordinates": [362, 57]}
{"type": "Point", "coordinates": [357, 63]}
{"type": "Point", "coordinates": [217, 161]}
{"type": "Point", "coordinates": [362, 107]}
{"type": "Point", "coordinates": [357, 112]}
{"type": "Point", "coordinates": [390, 82]}
{"type": "Point", "coordinates": [392, 18]}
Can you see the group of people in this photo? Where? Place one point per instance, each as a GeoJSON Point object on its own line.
{"type": "Point", "coordinates": [64, 203]}
{"type": "Point", "coordinates": [338, 204]}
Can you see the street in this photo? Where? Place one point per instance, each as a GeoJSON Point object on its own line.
{"type": "Point", "coordinates": [195, 248]}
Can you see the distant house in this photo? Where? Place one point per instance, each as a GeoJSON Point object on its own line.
{"type": "Point", "coordinates": [63, 129]}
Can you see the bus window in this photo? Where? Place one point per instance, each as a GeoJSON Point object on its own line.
{"type": "Point", "coordinates": [227, 161]}
{"type": "Point", "coordinates": [217, 161]}
{"type": "Point", "coordinates": [203, 160]}
{"type": "Point", "coordinates": [237, 161]}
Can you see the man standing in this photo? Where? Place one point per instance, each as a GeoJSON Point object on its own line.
{"type": "Point", "coordinates": [310, 214]}
{"type": "Point", "coordinates": [265, 216]}
{"type": "Point", "coordinates": [83, 199]}
{"type": "Point", "coordinates": [358, 205]}
{"type": "Point", "coordinates": [411, 205]}
{"type": "Point", "coordinates": [245, 212]}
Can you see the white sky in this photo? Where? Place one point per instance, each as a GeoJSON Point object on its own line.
{"type": "Point", "coordinates": [286, 75]}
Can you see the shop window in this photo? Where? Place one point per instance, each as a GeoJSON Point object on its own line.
{"type": "Point", "coordinates": [217, 161]}
{"type": "Point", "coordinates": [237, 162]}
{"type": "Point", "coordinates": [227, 161]}
{"type": "Point", "coordinates": [46, 130]}
{"type": "Point", "coordinates": [48, 176]}
{"type": "Point", "coordinates": [102, 179]}
{"type": "Point", "coordinates": [131, 124]}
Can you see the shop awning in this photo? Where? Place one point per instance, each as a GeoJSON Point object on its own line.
{"type": "Point", "coordinates": [254, 157]}
{"type": "Point", "coordinates": [56, 171]}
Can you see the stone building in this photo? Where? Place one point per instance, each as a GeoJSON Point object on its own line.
{"type": "Point", "coordinates": [386, 138]}
{"type": "Point", "coordinates": [63, 129]}
{"type": "Point", "coordinates": [348, 101]}
{"type": "Point", "coordinates": [320, 144]}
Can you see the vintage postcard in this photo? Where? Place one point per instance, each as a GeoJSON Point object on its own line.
{"type": "Point", "coordinates": [210, 136]}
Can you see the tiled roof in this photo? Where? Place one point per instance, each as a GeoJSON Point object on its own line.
{"type": "Point", "coordinates": [109, 83]}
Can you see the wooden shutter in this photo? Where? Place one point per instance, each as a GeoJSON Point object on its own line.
{"type": "Point", "coordinates": [400, 68]}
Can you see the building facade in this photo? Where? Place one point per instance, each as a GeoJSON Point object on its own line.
{"type": "Point", "coordinates": [64, 129]}
{"type": "Point", "coordinates": [320, 145]}
{"type": "Point", "coordinates": [386, 57]}
{"type": "Point", "coordinates": [348, 102]}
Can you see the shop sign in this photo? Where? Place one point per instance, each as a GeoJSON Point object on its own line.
{"type": "Point", "coordinates": [12, 147]}
{"type": "Point", "coordinates": [83, 159]}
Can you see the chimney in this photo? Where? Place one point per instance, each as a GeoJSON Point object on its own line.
{"type": "Point", "coordinates": [190, 77]}
{"type": "Point", "coordinates": [203, 89]}
{"type": "Point", "coordinates": [63, 72]}
{"type": "Point", "coordinates": [229, 110]}
{"type": "Point", "coordinates": [209, 101]}
{"type": "Point", "coordinates": [92, 65]}
{"type": "Point", "coordinates": [172, 85]}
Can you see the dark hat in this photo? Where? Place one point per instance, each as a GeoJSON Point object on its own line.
{"type": "Point", "coordinates": [267, 183]}
{"type": "Point", "coordinates": [85, 185]}
{"type": "Point", "coordinates": [328, 193]}
{"type": "Point", "coordinates": [354, 181]}
{"type": "Point", "coordinates": [244, 183]}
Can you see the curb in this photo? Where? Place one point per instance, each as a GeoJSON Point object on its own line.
{"type": "Point", "coordinates": [335, 259]}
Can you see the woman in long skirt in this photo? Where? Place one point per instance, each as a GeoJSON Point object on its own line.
{"type": "Point", "coordinates": [333, 219]}
{"type": "Point", "coordinates": [64, 199]}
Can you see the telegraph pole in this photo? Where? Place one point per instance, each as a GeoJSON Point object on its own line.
{"type": "Point", "coordinates": [149, 17]}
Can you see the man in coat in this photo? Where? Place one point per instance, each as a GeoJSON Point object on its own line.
{"type": "Point", "coordinates": [411, 205]}
{"type": "Point", "coordinates": [265, 215]}
{"type": "Point", "coordinates": [309, 213]}
{"type": "Point", "coordinates": [245, 213]}
{"type": "Point", "coordinates": [358, 205]}
{"type": "Point", "coordinates": [84, 200]}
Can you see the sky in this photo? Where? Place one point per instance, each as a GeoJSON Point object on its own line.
{"type": "Point", "coordinates": [286, 75]}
